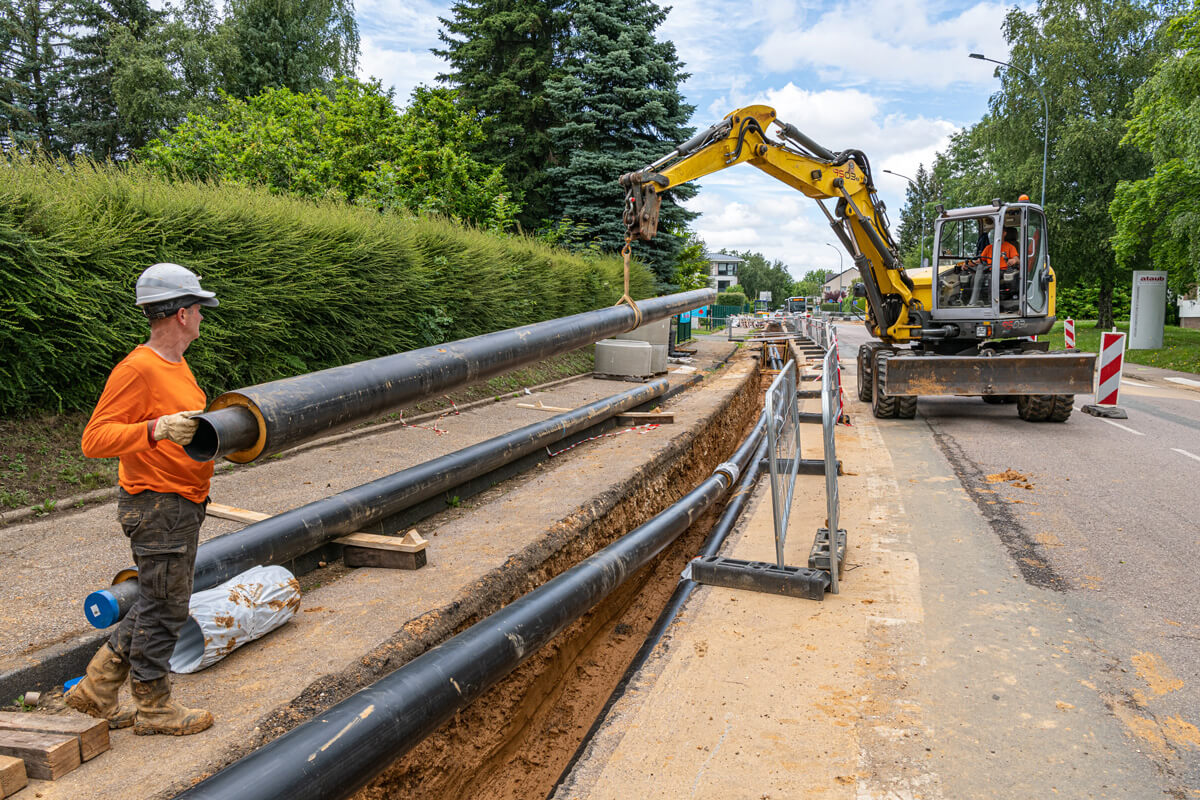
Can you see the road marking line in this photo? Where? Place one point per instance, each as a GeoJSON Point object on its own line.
{"type": "Point", "coordinates": [1186, 453]}
{"type": "Point", "coordinates": [1139, 384]}
{"type": "Point", "coordinates": [1119, 425]}
{"type": "Point", "coordinates": [1110, 422]}
{"type": "Point", "coordinates": [1185, 381]}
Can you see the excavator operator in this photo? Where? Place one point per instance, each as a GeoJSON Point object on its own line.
{"type": "Point", "coordinates": [1008, 252]}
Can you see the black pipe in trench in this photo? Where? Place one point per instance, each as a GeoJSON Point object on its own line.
{"type": "Point", "coordinates": [259, 420]}
{"type": "Point", "coordinates": [283, 537]}
{"type": "Point", "coordinates": [339, 752]}
{"type": "Point", "coordinates": [712, 546]}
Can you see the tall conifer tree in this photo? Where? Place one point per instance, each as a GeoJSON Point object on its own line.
{"type": "Point", "coordinates": [501, 54]}
{"type": "Point", "coordinates": [92, 117]}
{"type": "Point", "coordinates": [291, 44]}
{"type": "Point", "coordinates": [31, 99]}
{"type": "Point", "coordinates": [621, 108]}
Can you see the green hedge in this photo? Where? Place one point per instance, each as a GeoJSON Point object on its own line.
{"type": "Point", "coordinates": [303, 286]}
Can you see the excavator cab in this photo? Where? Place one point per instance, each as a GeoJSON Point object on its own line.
{"type": "Point", "coordinates": [976, 279]}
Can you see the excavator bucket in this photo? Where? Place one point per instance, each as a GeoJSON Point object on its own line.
{"type": "Point", "coordinates": [1024, 373]}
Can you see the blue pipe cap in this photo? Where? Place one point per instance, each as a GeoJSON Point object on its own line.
{"type": "Point", "coordinates": [101, 608]}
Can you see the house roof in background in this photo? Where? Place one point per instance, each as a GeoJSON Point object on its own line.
{"type": "Point", "coordinates": [723, 257]}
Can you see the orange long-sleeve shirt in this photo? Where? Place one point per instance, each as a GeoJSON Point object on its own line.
{"type": "Point", "coordinates": [142, 387]}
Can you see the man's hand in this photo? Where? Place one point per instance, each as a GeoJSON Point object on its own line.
{"type": "Point", "coordinates": [179, 428]}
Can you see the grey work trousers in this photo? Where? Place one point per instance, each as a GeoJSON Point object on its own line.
{"type": "Point", "coordinates": [163, 531]}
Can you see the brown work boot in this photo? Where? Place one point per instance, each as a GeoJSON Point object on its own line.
{"type": "Point", "coordinates": [96, 694]}
{"type": "Point", "coordinates": [158, 713]}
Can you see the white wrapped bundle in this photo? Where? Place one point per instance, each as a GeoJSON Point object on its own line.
{"type": "Point", "coordinates": [240, 610]}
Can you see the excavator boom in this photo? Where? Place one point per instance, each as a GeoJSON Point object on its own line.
{"type": "Point", "coordinates": [967, 320]}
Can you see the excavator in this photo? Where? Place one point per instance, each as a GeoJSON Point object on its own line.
{"type": "Point", "coordinates": [964, 324]}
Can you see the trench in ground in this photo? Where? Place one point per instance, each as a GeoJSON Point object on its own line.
{"type": "Point", "coordinates": [514, 741]}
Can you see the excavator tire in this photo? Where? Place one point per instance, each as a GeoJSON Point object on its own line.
{"type": "Point", "coordinates": [1063, 405]}
{"type": "Point", "coordinates": [882, 406]}
{"type": "Point", "coordinates": [1035, 407]}
{"type": "Point", "coordinates": [866, 356]}
{"type": "Point", "coordinates": [906, 407]}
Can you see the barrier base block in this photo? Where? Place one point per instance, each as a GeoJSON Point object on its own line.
{"type": "Point", "coordinates": [1108, 412]}
{"type": "Point", "coordinates": [819, 557]}
{"type": "Point", "coordinates": [760, 576]}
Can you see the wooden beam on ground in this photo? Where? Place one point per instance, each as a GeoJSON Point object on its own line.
{"type": "Point", "coordinates": [539, 407]}
{"type": "Point", "coordinates": [234, 513]}
{"type": "Point", "coordinates": [47, 756]}
{"type": "Point", "coordinates": [646, 418]}
{"type": "Point", "coordinates": [92, 733]}
{"type": "Point", "coordinates": [358, 549]}
{"type": "Point", "coordinates": [12, 776]}
{"type": "Point", "coordinates": [389, 552]}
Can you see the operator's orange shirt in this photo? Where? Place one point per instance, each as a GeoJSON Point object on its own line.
{"type": "Point", "coordinates": [1007, 250]}
{"type": "Point", "coordinates": [142, 387]}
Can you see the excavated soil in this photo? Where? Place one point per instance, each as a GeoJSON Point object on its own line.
{"type": "Point", "coordinates": [515, 741]}
{"type": "Point", "coordinates": [524, 731]}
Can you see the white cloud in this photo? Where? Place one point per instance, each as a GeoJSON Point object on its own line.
{"type": "Point", "coordinates": [745, 209]}
{"type": "Point", "coordinates": [400, 69]}
{"type": "Point", "coordinates": [890, 41]}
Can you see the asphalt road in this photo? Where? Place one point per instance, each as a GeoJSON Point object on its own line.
{"type": "Point", "coordinates": [1087, 556]}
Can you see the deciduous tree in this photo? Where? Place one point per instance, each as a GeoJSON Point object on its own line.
{"type": "Point", "coordinates": [1158, 217]}
{"type": "Point", "coordinates": [354, 146]}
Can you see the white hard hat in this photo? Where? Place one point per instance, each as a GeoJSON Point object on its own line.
{"type": "Point", "coordinates": [163, 282]}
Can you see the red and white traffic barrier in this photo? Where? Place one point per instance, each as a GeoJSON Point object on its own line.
{"type": "Point", "coordinates": [1108, 378]}
{"type": "Point", "coordinates": [1112, 360]}
{"type": "Point", "coordinates": [1069, 333]}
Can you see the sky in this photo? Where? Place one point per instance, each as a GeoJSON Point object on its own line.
{"type": "Point", "coordinates": [888, 77]}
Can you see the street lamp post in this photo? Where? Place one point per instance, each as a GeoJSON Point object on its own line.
{"type": "Point", "coordinates": [839, 252]}
{"type": "Point", "coordinates": [1046, 118]}
{"type": "Point", "coordinates": [920, 197]}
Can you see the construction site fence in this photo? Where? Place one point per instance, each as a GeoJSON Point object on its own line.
{"type": "Point", "coordinates": [782, 409]}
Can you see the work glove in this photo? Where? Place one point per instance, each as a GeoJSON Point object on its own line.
{"type": "Point", "coordinates": [178, 428]}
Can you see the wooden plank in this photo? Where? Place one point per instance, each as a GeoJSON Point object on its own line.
{"type": "Point", "coordinates": [12, 776]}
{"type": "Point", "coordinates": [539, 407]}
{"type": "Point", "coordinates": [389, 552]}
{"type": "Point", "coordinates": [646, 417]}
{"type": "Point", "coordinates": [234, 513]}
{"type": "Point", "coordinates": [409, 543]}
{"type": "Point", "coordinates": [47, 756]}
{"type": "Point", "coordinates": [92, 733]}
{"type": "Point", "coordinates": [386, 559]}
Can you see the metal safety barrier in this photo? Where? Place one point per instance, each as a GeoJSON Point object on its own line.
{"type": "Point", "coordinates": [783, 447]}
{"type": "Point", "coordinates": [827, 555]}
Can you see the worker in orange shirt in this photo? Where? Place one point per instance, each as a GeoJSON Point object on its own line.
{"type": "Point", "coordinates": [1009, 255]}
{"type": "Point", "coordinates": [144, 417]}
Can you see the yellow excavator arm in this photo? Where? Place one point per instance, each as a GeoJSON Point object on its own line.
{"type": "Point", "coordinates": [858, 218]}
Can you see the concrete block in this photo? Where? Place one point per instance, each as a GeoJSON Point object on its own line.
{"type": "Point", "coordinates": [658, 358]}
{"type": "Point", "coordinates": [652, 332]}
{"type": "Point", "coordinates": [626, 358]}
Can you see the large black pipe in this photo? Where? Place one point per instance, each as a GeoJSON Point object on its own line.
{"type": "Point", "coordinates": [683, 590]}
{"type": "Point", "coordinates": [264, 419]}
{"type": "Point", "coordinates": [286, 536]}
{"type": "Point", "coordinates": [335, 754]}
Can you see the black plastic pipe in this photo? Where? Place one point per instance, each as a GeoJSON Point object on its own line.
{"type": "Point", "coordinates": [337, 753]}
{"type": "Point", "coordinates": [286, 536]}
{"type": "Point", "coordinates": [259, 420]}
{"type": "Point", "coordinates": [683, 590]}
